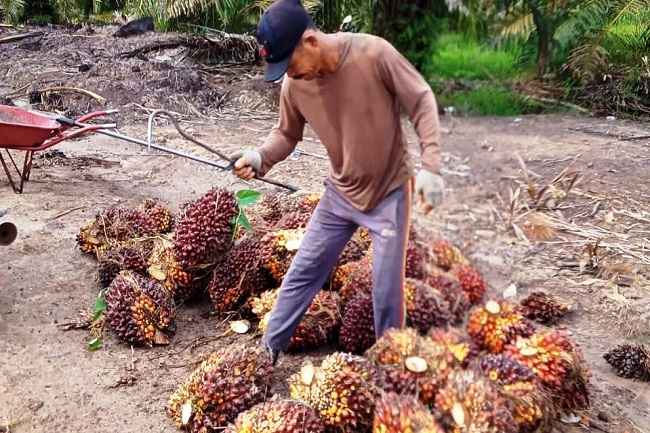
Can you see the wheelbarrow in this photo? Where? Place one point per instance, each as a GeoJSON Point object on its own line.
{"type": "Point", "coordinates": [32, 131]}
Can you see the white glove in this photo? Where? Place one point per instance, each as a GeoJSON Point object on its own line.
{"type": "Point", "coordinates": [430, 189]}
{"type": "Point", "coordinates": [247, 163]}
{"type": "Point", "coordinates": [247, 157]}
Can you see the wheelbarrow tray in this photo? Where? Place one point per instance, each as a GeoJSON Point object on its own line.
{"type": "Point", "coordinates": [25, 128]}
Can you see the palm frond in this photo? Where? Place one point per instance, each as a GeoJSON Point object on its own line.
{"type": "Point", "coordinates": [521, 26]}
{"type": "Point", "coordinates": [12, 10]}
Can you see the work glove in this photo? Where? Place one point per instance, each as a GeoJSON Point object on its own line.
{"type": "Point", "coordinates": [247, 163]}
{"type": "Point", "coordinates": [429, 189]}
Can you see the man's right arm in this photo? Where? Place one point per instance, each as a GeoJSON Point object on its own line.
{"type": "Point", "coordinates": [284, 137]}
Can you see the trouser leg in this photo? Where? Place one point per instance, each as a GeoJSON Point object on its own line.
{"type": "Point", "coordinates": [389, 227]}
{"type": "Point", "coordinates": [329, 230]}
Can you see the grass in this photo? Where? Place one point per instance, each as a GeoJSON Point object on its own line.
{"type": "Point", "coordinates": [486, 74]}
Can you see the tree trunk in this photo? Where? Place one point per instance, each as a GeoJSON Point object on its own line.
{"type": "Point", "coordinates": [543, 39]}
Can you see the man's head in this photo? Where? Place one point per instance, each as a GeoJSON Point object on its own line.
{"type": "Point", "coordinates": [288, 41]}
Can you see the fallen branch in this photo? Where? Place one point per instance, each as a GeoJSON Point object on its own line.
{"type": "Point", "coordinates": [15, 38]}
{"type": "Point", "coordinates": [557, 102]}
{"type": "Point", "coordinates": [93, 95]}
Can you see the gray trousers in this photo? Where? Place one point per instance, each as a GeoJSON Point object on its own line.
{"type": "Point", "coordinates": [333, 223]}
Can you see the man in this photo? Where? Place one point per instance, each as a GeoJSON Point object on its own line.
{"type": "Point", "coordinates": [349, 88]}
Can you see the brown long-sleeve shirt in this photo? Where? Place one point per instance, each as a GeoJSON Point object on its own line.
{"type": "Point", "coordinates": [356, 114]}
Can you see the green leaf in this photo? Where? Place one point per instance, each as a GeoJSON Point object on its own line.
{"type": "Point", "coordinates": [243, 220]}
{"type": "Point", "coordinates": [247, 196]}
{"type": "Point", "coordinates": [95, 343]}
{"type": "Point", "coordinates": [99, 305]}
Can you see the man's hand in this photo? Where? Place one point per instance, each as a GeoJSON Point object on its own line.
{"type": "Point", "coordinates": [247, 163]}
{"type": "Point", "coordinates": [430, 190]}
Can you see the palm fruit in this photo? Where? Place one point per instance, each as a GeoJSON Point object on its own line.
{"type": "Point", "coordinates": [278, 250]}
{"type": "Point", "coordinates": [316, 327]}
{"type": "Point", "coordinates": [132, 256]}
{"type": "Point", "coordinates": [425, 306]}
{"type": "Point", "coordinates": [164, 268]}
{"type": "Point", "coordinates": [309, 202]}
{"type": "Point", "coordinates": [357, 332]}
{"type": "Point", "coordinates": [559, 365]}
{"type": "Point", "coordinates": [138, 309]}
{"type": "Point", "coordinates": [293, 220]}
{"type": "Point", "coordinates": [528, 404]}
{"type": "Point", "coordinates": [414, 256]}
{"type": "Point", "coordinates": [444, 255]}
{"type": "Point", "coordinates": [471, 283]}
{"type": "Point", "coordinates": [229, 381]}
{"type": "Point", "coordinates": [240, 275]}
{"type": "Point", "coordinates": [409, 363]}
{"type": "Point", "coordinates": [450, 288]}
{"type": "Point", "coordinates": [396, 413]}
{"type": "Point", "coordinates": [542, 307]}
{"type": "Point", "coordinates": [341, 390]}
{"type": "Point", "coordinates": [160, 215]}
{"type": "Point", "coordinates": [279, 416]}
{"type": "Point", "coordinates": [496, 324]}
{"type": "Point", "coordinates": [269, 207]}
{"type": "Point", "coordinates": [359, 279]}
{"type": "Point", "coordinates": [468, 402]}
{"type": "Point", "coordinates": [460, 347]}
{"type": "Point", "coordinates": [204, 230]}
{"type": "Point", "coordinates": [112, 228]}
{"type": "Point", "coordinates": [631, 361]}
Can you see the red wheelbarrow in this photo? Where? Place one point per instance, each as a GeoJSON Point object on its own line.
{"type": "Point", "coordinates": [31, 131]}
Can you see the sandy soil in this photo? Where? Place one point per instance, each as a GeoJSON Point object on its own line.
{"type": "Point", "coordinates": [49, 381]}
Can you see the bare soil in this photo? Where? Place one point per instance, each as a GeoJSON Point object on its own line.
{"type": "Point", "coordinates": [49, 381]}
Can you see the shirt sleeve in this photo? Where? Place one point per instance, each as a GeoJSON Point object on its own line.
{"type": "Point", "coordinates": [417, 99]}
{"type": "Point", "coordinates": [284, 137]}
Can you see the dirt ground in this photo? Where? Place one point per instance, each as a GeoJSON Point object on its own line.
{"type": "Point", "coordinates": [49, 381]}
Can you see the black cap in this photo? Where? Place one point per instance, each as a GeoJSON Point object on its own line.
{"type": "Point", "coordinates": [278, 32]}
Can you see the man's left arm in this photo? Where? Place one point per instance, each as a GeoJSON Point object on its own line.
{"type": "Point", "coordinates": [417, 100]}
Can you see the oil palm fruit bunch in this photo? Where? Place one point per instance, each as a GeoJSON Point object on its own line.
{"type": "Point", "coordinates": [278, 250]}
{"type": "Point", "coordinates": [357, 332]}
{"type": "Point", "coordinates": [278, 416]}
{"type": "Point", "coordinates": [132, 256]}
{"type": "Point", "coordinates": [409, 363]}
{"type": "Point", "coordinates": [468, 402]}
{"type": "Point", "coordinates": [269, 207]}
{"type": "Point", "coordinates": [425, 306]}
{"type": "Point", "coordinates": [471, 283]}
{"type": "Point", "coordinates": [450, 288]}
{"type": "Point", "coordinates": [159, 214]}
{"type": "Point", "coordinates": [163, 267]}
{"type": "Point", "coordinates": [240, 275]}
{"type": "Point", "coordinates": [444, 255]}
{"type": "Point", "coordinates": [528, 404]}
{"type": "Point", "coordinates": [559, 365]}
{"type": "Point", "coordinates": [204, 230]}
{"type": "Point", "coordinates": [113, 227]}
{"type": "Point", "coordinates": [359, 278]}
{"type": "Point", "coordinates": [461, 349]}
{"type": "Point", "coordinates": [309, 202]}
{"type": "Point", "coordinates": [293, 220]}
{"type": "Point", "coordinates": [631, 361]}
{"type": "Point", "coordinates": [341, 391]}
{"type": "Point", "coordinates": [138, 309]}
{"type": "Point", "coordinates": [317, 326]}
{"type": "Point", "coordinates": [229, 381]}
{"type": "Point", "coordinates": [542, 307]}
{"type": "Point", "coordinates": [496, 324]}
{"type": "Point", "coordinates": [396, 413]}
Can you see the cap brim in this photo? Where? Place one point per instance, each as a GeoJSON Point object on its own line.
{"type": "Point", "coordinates": [274, 71]}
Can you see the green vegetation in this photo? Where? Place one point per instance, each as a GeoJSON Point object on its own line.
{"type": "Point", "coordinates": [477, 54]}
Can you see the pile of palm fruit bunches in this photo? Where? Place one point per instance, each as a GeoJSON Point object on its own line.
{"type": "Point", "coordinates": [466, 362]}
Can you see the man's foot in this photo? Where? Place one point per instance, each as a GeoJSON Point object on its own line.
{"type": "Point", "coordinates": [273, 353]}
